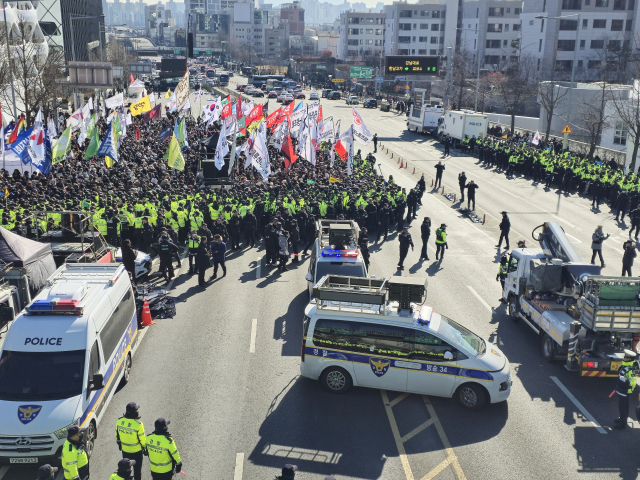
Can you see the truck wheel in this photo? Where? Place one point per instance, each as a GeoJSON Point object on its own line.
{"type": "Point", "coordinates": [336, 380]}
{"type": "Point", "coordinates": [471, 396]}
{"type": "Point", "coordinates": [549, 348]}
{"type": "Point", "coordinates": [513, 309]}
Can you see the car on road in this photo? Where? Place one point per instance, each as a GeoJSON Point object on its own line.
{"type": "Point", "coordinates": [370, 103]}
{"type": "Point", "coordinates": [257, 93]}
{"type": "Point", "coordinates": [272, 94]}
{"type": "Point", "coordinates": [334, 95]}
{"type": "Point", "coordinates": [230, 74]}
{"type": "Point", "coordinates": [281, 97]}
{"type": "Point", "coordinates": [314, 96]}
{"type": "Point", "coordinates": [298, 95]}
{"type": "Point", "coordinates": [241, 87]}
{"type": "Point", "coordinates": [326, 92]}
{"type": "Point", "coordinates": [352, 100]}
{"type": "Point", "coordinates": [288, 98]}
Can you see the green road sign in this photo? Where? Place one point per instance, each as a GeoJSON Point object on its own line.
{"type": "Point", "coordinates": [361, 72]}
{"type": "Point", "coordinates": [196, 51]}
{"type": "Point", "coordinates": [209, 52]}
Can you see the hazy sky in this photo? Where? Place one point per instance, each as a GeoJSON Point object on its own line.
{"type": "Point", "coordinates": [369, 3]}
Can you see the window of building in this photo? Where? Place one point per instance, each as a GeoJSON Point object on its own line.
{"type": "Point", "coordinates": [369, 20]}
{"type": "Point", "coordinates": [404, 26]}
{"type": "Point", "coordinates": [504, 58]}
{"type": "Point", "coordinates": [566, 45]}
{"type": "Point", "coordinates": [422, 51]}
{"type": "Point", "coordinates": [538, 67]}
{"type": "Point", "coordinates": [619, 4]}
{"type": "Point", "coordinates": [423, 39]}
{"type": "Point", "coordinates": [369, 42]}
{"type": "Point", "coordinates": [369, 31]}
{"type": "Point", "coordinates": [580, 63]}
{"type": "Point", "coordinates": [352, 42]}
{"type": "Point", "coordinates": [405, 14]}
{"type": "Point", "coordinates": [616, 25]}
{"type": "Point", "coordinates": [564, 64]}
{"type": "Point", "coordinates": [506, 27]}
{"type": "Point", "coordinates": [628, 25]}
{"type": "Point", "coordinates": [378, 31]}
{"type": "Point", "coordinates": [582, 44]}
{"type": "Point", "coordinates": [516, 27]}
{"type": "Point", "coordinates": [614, 45]}
{"type": "Point", "coordinates": [413, 51]}
{"type": "Point", "coordinates": [504, 43]}
{"type": "Point", "coordinates": [620, 134]}
{"type": "Point", "coordinates": [508, 10]}
{"type": "Point", "coordinates": [434, 40]}
{"type": "Point", "coordinates": [631, 5]}
{"type": "Point", "coordinates": [413, 39]}
{"type": "Point", "coordinates": [494, 27]}
{"type": "Point", "coordinates": [496, 12]}
{"type": "Point", "coordinates": [424, 26]}
{"type": "Point", "coordinates": [424, 13]}
{"type": "Point", "coordinates": [404, 39]}
{"type": "Point", "coordinates": [354, 31]}
{"type": "Point", "coordinates": [433, 52]}
{"type": "Point", "coordinates": [568, 24]}
{"type": "Point", "coordinates": [587, 2]}
{"type": "Point", "coordinates": [585, 24]}
{"type": "Point", "coordinates": [572, 4]}
{"type": "Point", "coordinates": [379, 21]}
{"type": "Point", "coordinates": [492, 59]}
{"type": "Point", "coordinates": [542, 26]}
{"type": "Point", "coordinates": [540, 45]}
{"type": "Point", "coordinates": [353, 20]}
{"type": "Point", "coordinates": [474, 44]}
{"type": "Point", "coordinates": [594, 64]}
{"type": "Point", "coordinates": [517, 11]}
{"type": "Point", "coordinates": [493, 44]}
{"type": "Point", "coordinates": [436, 14]}
{"type": "Point", "coordinates": [599, 24]}
{"type": "Point", "coordinates": [379, 43]}
{"type": "Point", "coordinates": [597, 44]}
{"type": "Point", "coordinates": [602, 3]}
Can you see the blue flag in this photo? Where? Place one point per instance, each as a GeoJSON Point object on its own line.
{"type": "Point", "coordinates": [20, 146]}
{"type": "Point", "coordinates": [165, 133]}
{"type": "Point", "coordinates": [45, 165]}
{"type": "Point", "coordinates": [108, 145]}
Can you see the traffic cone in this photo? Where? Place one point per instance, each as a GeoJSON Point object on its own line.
{"type": "Point", "coordinates": [406, 165]}
{"type": "Point", "coordinates": [414, 171]}
{"type": "Point", "coordinates": [146, 315]}
{"type": "Point", "coordinates": [442, 190]}
{"type": "Point", "coordinates": [432, 182]}
{"type": "Point", "coordinates": [391, 153]}
{"type": "Point", "coordinates": [402, 164]}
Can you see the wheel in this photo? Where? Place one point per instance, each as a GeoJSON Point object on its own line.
{"type": "Point", "coordinates": [127, 370]}
{"type": "Point", "coordinates": [471, 396]}
{"type": "Point", "coordinates": [513, 309]}
{"type": "Point", "coordinates": [336, 380]}
{"type": "Point", "coordinates": [90, 438]}
{"type": "Point", "coordinates": [549, 348]}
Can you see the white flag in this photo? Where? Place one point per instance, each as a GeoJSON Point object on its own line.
{"type": "Point", "coordinates": [51, 127]}
{"type": "Point", "coordinates": [90, 103]}
{"type": "Point", "coordinates": [115, 101]}
{"type": "Point", "coordinates": [187, 105]}
{"type": "Point", "coordinates": [129, 120]}
{"type": "Point", "coordinates": [360, 130]}
{"type": "Point", "coordinates": [309, 148]}
{"type": "Point", "coordinates": [152, 97]}
{"type": "Point", "coordinates": [83, 134]}
{"type": "Point", "coordinates": [222, 149]}
{"type": "Point", "coordinates": [536, 138]}
{"type": "Point", "coordinates": [260, 156]}
{"type": "Point", "coordinates": [277, 139]}
{"type": "Point", "coordinates": [326, 133]}
{"type": "Point", "coordinates": [347, 141]}
{"type": "Point", "coordinates": [296, 119]}
{"type": "Point", "coordinates": [36, 141]}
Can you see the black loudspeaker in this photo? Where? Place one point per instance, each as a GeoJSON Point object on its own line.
{"type": "Point", "coordinates": [190, 45]}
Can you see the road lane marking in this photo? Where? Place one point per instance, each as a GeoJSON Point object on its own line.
{"type": "Point", "coordinates": [575, 401]}
{"type": "Point", "coordinates": [239, 466]}
{"type": "Point", "coordinates": [398, 399]}
{"type": "Point", "coordinates": [3, 471]}
{"type": "Point", "coordinates": [254, 328]}
{"type": "Point", "coordinates": [259, 265]}
{"type": "Point", "coordinates": [477, 295]}
{"type": "Point", "coordinates": [396, 436]}
{"type": "Point", "coordinates": [571, 236]}
{"type": "Point", "coordinates": [436, 471]}
{"type": "Point", "coordinates": [416, 431]}
{"type": "Point", "coordinates": [451, 455]}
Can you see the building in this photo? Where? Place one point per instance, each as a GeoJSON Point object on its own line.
{"type": "Point", "coordinates": [594, 34]}
{"type": "Point", "coordinates": [491, 32]}
{"type": "Point", "coordinates": [293, 14]}
{"type": "Point", "coordinates": [328, 42]}
{"type": "Point", "coordinates": [80, 41]}
{"type": "Point", "coordinates": [276, 42]}
{"type": "Point", "coordinates": [361, 35]}
{"type": "Point", "coordinates": [303, 45]}
{"type": "Point", "coordinates": [316, 12]}
{"type": "Point", "coordinates": [426, 28]}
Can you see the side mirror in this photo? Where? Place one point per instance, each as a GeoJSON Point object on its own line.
{"type": "Point", "coordinates": [308, 277]}
{"type": "Point", "coordinates": [7, 314]}
{"type": "Point", "coordinates": [97, 382]}
{"type": "Point", "coordinates": [448, 355]}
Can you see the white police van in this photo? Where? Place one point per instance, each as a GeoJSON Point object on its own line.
{"type": "Point", "coordinates": [62, 359]}
{"type": "Point", "coordinates": [372, 333]}
{"type": "Point", "coordinates": [335, 252]}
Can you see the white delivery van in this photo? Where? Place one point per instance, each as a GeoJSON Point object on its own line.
{"type": "Point", "coordinates": [62, 359]}
{"type": "Point", "coordinates": [373, 333]}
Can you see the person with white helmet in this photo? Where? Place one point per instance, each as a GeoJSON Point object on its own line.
{"type": "Point", "coordinates": [624, 387]}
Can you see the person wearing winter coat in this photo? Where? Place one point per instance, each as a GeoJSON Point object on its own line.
{"type": "Point", "coordinates": [218, 250]}
{"type": "Point", "coordinates": [283, 243]}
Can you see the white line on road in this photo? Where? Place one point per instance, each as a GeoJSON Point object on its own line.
{"type": "Point", "coordinates": [571, 236]}
{"type": "Point", "coordinates": [239, 466]}
{"type": "Point", "coordinates": [575, 401]}
{"type": "Point", "coordinates": [477, 295]}
{"type": "Point", "coordinates": [3, 471]}
{"type": "Point", "coordinates": [259, 265]}
{"type": "Point", "coordinates": [254, 328]}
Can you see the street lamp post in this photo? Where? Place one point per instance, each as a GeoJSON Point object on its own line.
{"type": "Point", "coordinates": [565, 140]}
{"type": "Point", "coordinates": [445, 96]}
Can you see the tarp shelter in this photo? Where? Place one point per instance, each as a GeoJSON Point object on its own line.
{"type": "Point", "coordinates": [35, 257]}
{"type": "Point", "coordinates": [137, 88]}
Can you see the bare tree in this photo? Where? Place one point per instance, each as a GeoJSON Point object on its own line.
{"type": "Point", "coordinates": [461, 87]}
{"type": "Point", "coordinates": [594, 115]}
{"type": "Point", "coordinates": [550, 97]}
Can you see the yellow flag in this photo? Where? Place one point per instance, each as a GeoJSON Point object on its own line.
{"type": "Point", "coordinates": [255, 125]}
{"type": "Point", "coordinates": [109, 161]}
{"type": "Point", "coordinates": [333, 180]}
{"type": "Point", "coordinates": [168, 94]}
{"type": "Point", "coordinates": [175, 160]}
{"type": "Point", "coordinates": [141, 106]}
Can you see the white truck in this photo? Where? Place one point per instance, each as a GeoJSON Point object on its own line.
{"type": "Point", "coordinates": [424, 119]}
{"type": "Point", "coordinates": [580, 316]}
{"type": "Point", "coordinates": [459, 124]}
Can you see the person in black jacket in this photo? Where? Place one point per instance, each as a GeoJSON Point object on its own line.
{"type": "Point", "coordinates": [383, 221]}
{"type": "Point", "coordinates": [422, 186]}
{"type": "Point", "coordinates": [202, 260]}
{"type": "Point", "coordinates": [471, 194]}
{"type": "Point", "coordinates": [462, 181]}
{"type": "Point", "coordinates": [627, 258]}
{"type": "Point", "coordinates": [129, 259]}
{"type": "Point", "coordinates": [621, 203]}
{"type": "Point", "coordinates": [505, 226]}
{"type": "Point", "coordinates": [405, 242]}
{"type": "Point", "coordinates": [425, 233]}
{"type": "Point", "coordinates": [147, 235]}
{"type": "Point", "coordinates": [166, 249]}
{"type": "Point", "coordinates": [267, 236]}
{"type": "Point", "coordinates": [311, 232]}
{"type": "Point", "coordinates": [234, 230]}
{"type": "Point", "coordinates": [294, 238]}
{"type": "Point", "coordinates": [219, 228]}
{"type": "Point", "coordinates": [439, 169]}
{"type": "Point", "coordinates": [412, 204]}
{"type": "Point", "coordinates": [250, 225]}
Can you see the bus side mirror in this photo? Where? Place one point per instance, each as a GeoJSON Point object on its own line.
{"type": "Point", "coordinates": [97, 382]}
{"type": "Point", "coordinates": [308, 277]}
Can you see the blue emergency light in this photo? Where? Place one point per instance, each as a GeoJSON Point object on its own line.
{"type": "Point", "coordinates": [340, 253]}
{"type": "Point", "coordinates": [56, 306]}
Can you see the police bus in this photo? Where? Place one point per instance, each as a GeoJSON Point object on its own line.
{"type": "Point", "coordinates": [63, 358]}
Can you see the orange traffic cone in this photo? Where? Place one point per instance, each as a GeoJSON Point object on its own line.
{"type": "Point", "coordinates": [146, 315]}
{"type": "Point", "coordinates": [402, 164]}
{"type": "Point", "coordinates": [414, 171]}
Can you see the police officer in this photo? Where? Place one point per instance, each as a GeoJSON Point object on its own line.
{"type": "Point", "coordinates": [166, 248]}
{"type": "Point", "coordinates": [462, 182]}
{"type": "Point", "coordinates": [163, 452]}
{"type": "Point", "coordinates": [502, 272]}
{"type": "Point", "coordinates": [441, 241]}
{"type": "Point", "coordinates": [131, 438]}
{"type": "Point", "coordinates": [194, 242]}
{"type": "Point", "coordinates": [47, 472]}
{"type": "Point", "coordinates": [405, 241]}
{"type": "Point", "coordinates": [439, 170]}
{"type": "Point", "coordinates": [75, 461]}
{"type": "Point", "coordinates": [505, 227]}
{"type": "Point", "coordinates": [624, 387]}
{"type": "Point", "coordinates": [125, 471]}
{"type": "Point", "coordinates": [425, 233]}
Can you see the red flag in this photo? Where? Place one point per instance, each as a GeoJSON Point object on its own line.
{"type": "Point", "coordinates": [132, 79]}
{"type": "Point", "coordinates": [341, 151]}
{"type": "Point", "coordinates": [319, 114]}
{"type": "Point", "coordinates": [275, 118]}
{"type": "Point", "coordinates": [138, 132]}
{"type": "Point", "coordinates": [288, 110]}
{"type": "Point", "coordinates": [239, 113]}
{"type": "Point", "coordinates": [254, 115]}
{"type": "Point", "coordinates": [155, 112]}
{"type": "Point", "coordinates": [226, 111]}
{"type": "Point", "coordinates": [289, 154]}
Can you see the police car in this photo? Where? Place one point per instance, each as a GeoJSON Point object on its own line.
{"type": "Point", "coordinates": [335, 252]}
{"type": "Point", "coordinates": [374, 333]}
{"type": "Point", "coordinates": [63, 358]}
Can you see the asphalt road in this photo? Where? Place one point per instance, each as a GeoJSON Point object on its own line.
{"type": "Point", "coordinates": [240, 410]}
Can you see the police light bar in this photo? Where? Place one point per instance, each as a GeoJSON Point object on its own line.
{"type": "Point", "coordinates": [56, 306]}
{"type": "Point", "coordinates": [424, 317]}
{"type": "Point", "coordinates": [340, 253]}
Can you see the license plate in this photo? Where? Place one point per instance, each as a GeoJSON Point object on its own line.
{"type": "Point", "coordinates": [23, 460]}
{"type": "Point", "coordinates": [615, 366]}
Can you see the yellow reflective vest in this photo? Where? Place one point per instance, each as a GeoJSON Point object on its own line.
{"type": "Point", "coordinates": [73, 458]}
{"type": "Point", "coordinates": [130, 435]}
{"type": "Point", "coordinates": [163, 453]}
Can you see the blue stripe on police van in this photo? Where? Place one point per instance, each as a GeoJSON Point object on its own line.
{"type": "Point", "coordinates": [123, 348]}
{"type": "Point", "coordinates": [405, 364]}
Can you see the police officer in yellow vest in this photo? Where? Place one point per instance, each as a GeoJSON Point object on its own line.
{"type": "Point", "coordinates": [125, 470]}
{"type": "Point", "coordinates": [75, 461]}
{"type": "Point", "coordinates": [626, 384]}
{"type": "Point", "coordinates": [131, 438]}
{"type": "Point", "coordinates": [163, 453]}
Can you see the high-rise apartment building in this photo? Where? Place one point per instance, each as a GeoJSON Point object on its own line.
{"type": "Point", "coordinates": [293, 14]}
{"type": "Point", "coordinates": [361, 35]}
